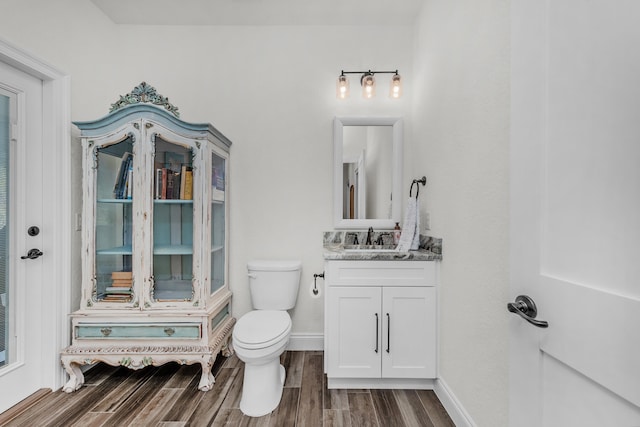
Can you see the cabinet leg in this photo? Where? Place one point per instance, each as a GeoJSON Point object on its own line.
{"type": "Point", "coordinates": [207, 379]}
{"type": "Point", "coordinates": [76, 377]}
{"type": "Point", "coordinates": [227, 348]}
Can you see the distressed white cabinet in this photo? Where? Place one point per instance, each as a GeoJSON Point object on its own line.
{"type": "Point", "coordinates": [154, 247]}
{"type": "Point", "coordinates": [380, 323]}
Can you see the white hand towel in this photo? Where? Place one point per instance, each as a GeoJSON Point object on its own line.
{"type": "Point", "coordinates": [410, 236]}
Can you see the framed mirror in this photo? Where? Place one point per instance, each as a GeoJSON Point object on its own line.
{"type": "Point", "coordinates": [367, 165]}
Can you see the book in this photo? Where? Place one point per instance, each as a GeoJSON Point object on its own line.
{"type": "Point", "coordinates": [122, 275]}
{"type": "Point", "coordinates": [129, 182]}
{"type": "Point", "coordinates": [121, 178]}
{"type": "Point", "coordinates": [177, 178]}
{"type": "Point", "coordinates": [163, 195]}
{"type": "Point", "coordinates": [159, 183]}
{"type": "Point", "coordinates": [117, 290]}
{"type": "Point", "coordinates": [186, 181]}
{"type": "Point", "coordinates": [217, 180]}
{"type": "Point", "coordinates": [121, 283]}
{"type": "Point", "coordinates": [170, 184]}
{"type": "Point", "coordinates": [188, 185]}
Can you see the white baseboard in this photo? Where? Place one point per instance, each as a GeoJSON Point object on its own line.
{"type": "Point", "coordinates": [306, 342]}
{"type": "Point", "coordinates": [454, 408]}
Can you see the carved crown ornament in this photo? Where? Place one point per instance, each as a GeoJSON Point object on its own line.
{"type": "Point", "coordinates": [144, 93]}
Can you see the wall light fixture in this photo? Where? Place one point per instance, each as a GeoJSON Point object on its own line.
{"type": "Point", "coordinates": [368, 83]}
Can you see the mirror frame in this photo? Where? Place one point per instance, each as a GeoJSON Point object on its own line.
{"type": "Point", "coordinates": [398, 133]}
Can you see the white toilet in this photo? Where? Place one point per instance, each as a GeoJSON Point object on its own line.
{"type": "Point", "coordinates": [262, 335]}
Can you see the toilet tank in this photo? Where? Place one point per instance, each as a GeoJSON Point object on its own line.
{"type": "Point", "coordinates": [274, 284]}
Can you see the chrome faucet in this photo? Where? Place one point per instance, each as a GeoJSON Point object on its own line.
{"type": "Point", "coordinates": [369, 233]}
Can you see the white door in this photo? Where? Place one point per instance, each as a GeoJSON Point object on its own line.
{"type": "Point", "coordinates": [21, 200]}
{"type": "Point", "coordinates": [354, 328]}
{"type": "Point", "coordinates": [409, 332]}
{"type": "Point", "coordinates": [575, 212]}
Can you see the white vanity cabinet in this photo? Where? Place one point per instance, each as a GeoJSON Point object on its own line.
{"type": "Point", "coordinates": [380, 323]}
{"type": "Point", "coordinates": [154, 241]}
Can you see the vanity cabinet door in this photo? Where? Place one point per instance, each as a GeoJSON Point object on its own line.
{"type": "Point", "coordinates": [409, 332]}
{"type": "Point", "coordinates": [354, 332]}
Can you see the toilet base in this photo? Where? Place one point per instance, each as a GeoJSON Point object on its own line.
{"type": "Point", "coordinates": [262, 388]}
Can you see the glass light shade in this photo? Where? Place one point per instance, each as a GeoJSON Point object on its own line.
{"type": "Point", "coordinates": [368, 86]}
{"type": "Point", "coordinates": [342, 87]}
{"type": "Point", "coordinates": [396, 86]}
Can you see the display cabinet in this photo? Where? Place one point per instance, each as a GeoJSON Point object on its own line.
{"type": "Point", "coordinates": [155, 241]}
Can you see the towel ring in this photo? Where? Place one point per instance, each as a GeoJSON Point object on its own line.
{"type": "Point", "coordinates": [417, 182]}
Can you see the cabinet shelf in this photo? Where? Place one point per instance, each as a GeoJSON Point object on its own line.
{"type": "Point", "coordinates": [172, 201]}
{"type": "Point", "coordinates": [173, 250]}
{"type": "Point", "coordinates": [117, 250]}
{"type": "Point", "coordinates": [121, 201]}
{"type": "Point", "coordinates": [217, 249]}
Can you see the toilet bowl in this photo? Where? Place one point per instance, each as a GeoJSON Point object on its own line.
{"type": "Point", "coordinates": [262, 335]}
{"type": "Point", "coordinates": [259, 338]}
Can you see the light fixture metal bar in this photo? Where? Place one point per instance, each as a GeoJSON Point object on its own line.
{"type": "Point", "coordinates": [370, 71]}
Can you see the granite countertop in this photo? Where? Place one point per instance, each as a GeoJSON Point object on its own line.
{"type": "Point", "coordinates": [334, 242]}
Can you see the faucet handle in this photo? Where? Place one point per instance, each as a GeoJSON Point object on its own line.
{"type": "Point", "coordinates": [355, 237]}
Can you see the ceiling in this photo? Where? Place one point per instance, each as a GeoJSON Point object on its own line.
{"type": "Point", "coordinates": [260, 12]}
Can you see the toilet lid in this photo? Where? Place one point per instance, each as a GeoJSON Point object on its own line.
{"type": "Point", "coordinates": [259, 328]}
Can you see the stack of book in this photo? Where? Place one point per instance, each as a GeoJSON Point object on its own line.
{"type": "Point", "coordinates": [120, 289]}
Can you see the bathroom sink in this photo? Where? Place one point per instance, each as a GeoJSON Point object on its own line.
{"type": "Point", "coordinates": [369, 248]}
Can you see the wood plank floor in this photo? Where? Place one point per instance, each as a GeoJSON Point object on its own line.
{"type": "Point", "coordinates": [168, 396]}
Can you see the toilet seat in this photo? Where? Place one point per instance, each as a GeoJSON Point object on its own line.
{"type": "Point", "coordinates": [261, 328]}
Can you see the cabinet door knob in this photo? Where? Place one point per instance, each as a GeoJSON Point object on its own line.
{"type": "Point", "coordinates": [105, 332]}
{"type": "Point", "coordinates": [169, 331]}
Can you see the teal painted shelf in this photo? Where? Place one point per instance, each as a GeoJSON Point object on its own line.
{"type": "Point", "coordinates": [173, 201]}
{"type": "Point", "coordinates": [123, 201]}
{"type": "Point", "coordinates": [118, 250]}
{"type": "Point", "coordinates": [173, 250]}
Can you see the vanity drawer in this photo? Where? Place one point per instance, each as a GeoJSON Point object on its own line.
{"type": "Point", "coordinates": [138, 331]}
{"type": "Point", "coordinates": [381, 273]}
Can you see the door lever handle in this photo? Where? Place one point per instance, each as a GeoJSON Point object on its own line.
{"type": "Point", "coordinates": [32, 254]}
{"type": "Point", "coordinates": [526, 308]}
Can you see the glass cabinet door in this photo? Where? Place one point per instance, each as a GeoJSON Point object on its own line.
{"type": "Point", "coordinates": [172, 222]}
{"type": "Point", "coordinates": [218, 186]}
{"type": "Point", "coordinates": [113, 222]}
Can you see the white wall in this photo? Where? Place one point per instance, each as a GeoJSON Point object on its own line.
{"type": "Point", "coordinates": [461, 128]}
{"type": "Point", "coordinates": [271, 90]}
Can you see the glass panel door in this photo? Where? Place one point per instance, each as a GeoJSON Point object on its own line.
{"type": "Point", "coordinates": [5, 323]}
{"type": "Point", "coordinates": [113, 220]}
{"type": "Point", "coordinates": [218, 186]}
{"type": "Point", "coordinates": [173, 222]}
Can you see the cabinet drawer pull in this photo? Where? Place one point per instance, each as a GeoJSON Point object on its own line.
{"type": "Point", "coordinates": [105, 332]}
{"type": "Point", "coordinates": [388, 333]}
{"type": "Point", "coordinates": [376, 349]}
{"type": "Point", "coordinates": [169, 331]}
